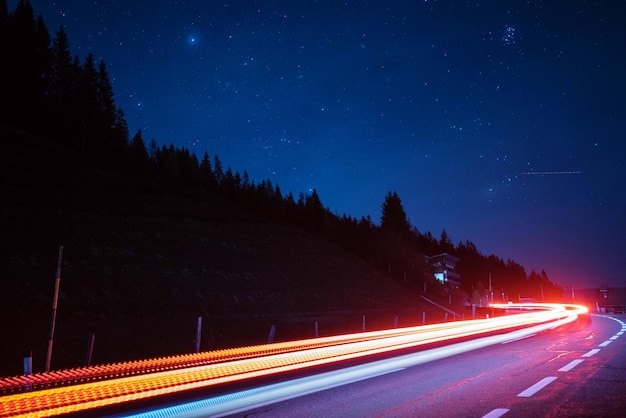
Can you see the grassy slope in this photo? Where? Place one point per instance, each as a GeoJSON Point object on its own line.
{"type": "Point", "coordinates": [141, 263]}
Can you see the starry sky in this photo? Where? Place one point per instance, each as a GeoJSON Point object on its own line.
{"type": "Point", "coordinates": [500, 121]}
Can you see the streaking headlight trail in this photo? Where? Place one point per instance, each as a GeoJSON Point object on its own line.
{"type": "Point", "coordinates": [153, 378]}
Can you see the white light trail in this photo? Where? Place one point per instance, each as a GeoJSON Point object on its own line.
{"type": "Point", "coordinates": [272, 359]}
{"type": "Point", "coordinates": [255, 398]}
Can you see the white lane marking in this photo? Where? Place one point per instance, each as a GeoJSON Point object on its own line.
{"type": "Point", "coordinates": [569, 366]}
{"type": "Point", "coordinates": [620, 333]}
{"type": "Point", "coordinates": [537, 387]}
{"type": "Point", "coordinates": [496, 413]}
{"type": "Point", "coordinates": [604, 344]}
{"type": "Point", "coordinates": [591, 352]}
{"type": "Point", "coordinates": [613, 338]}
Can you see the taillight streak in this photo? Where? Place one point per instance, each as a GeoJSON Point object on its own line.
{"type": "Point", "coordinates": [252, 362]}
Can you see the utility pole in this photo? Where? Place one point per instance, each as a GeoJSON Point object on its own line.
{"type": "Point", "coordinates": [55, 301]}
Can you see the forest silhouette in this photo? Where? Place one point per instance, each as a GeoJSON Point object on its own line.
{"type": "Point", "coordinates": [53, 94]}
{"type": "Point", "coordinates": [58, 106]}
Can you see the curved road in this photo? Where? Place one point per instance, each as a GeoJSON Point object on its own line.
{"type": "Point", "coordinates": [575, 370]}
{"type": "Point", "coordinates": [531, 361]}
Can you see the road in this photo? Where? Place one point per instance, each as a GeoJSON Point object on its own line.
{"type": "Point", "coordinates": [575, 370]}
{"type": "Point", "coordinates": [548, 366]}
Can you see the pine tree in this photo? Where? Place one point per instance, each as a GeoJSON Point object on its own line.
{"type": "Point", "coordinates": [393, 215]}
{"type": "Point", "coordinates": [139, 159]}
{"type": "Point", "coordinates": [4, 15]}
{"type": "Point", "coordinates": [206, 172]}
{"type": "Point", "coordinates": [218, 170]}
{"type": "Point", "coordinates": [314, 204]}
{"type": "Point", "coordinates": [445, 243]}
{"type": "Point", "coordinates": [245, 181]}
{"type": "Point", "coordinates": [120, 129]}
{"type": "Point", "coordinates": [26, 63]}
{"type": "Point", "coordinates": [88, 102]}
{"type": "Point", "coordinates": [62, 88]}
{"type": "Point", "coordinates": [153, 152]}
{"type": "Point", "coordinates": [112, 140]}
{"type": "Point", "coordinates": [106, 102]}
{"type": "Point", "coordinates": [41, 94]}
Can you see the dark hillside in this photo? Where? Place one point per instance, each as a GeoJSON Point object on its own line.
{"type": "Point", "coordinates": [141, 262]}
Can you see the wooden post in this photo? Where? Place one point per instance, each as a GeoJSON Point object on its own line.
{"type": "Point", "coordinates": [28, 370]}
{"type": "Point", "coordinates": [92, 340]}
{"type": "Point", "coordinates": [423, 318]}
{"type": "Point", "coordinates": [363, 322]}
{"type": "Point", "coordinates": [270, 338]}
{"type": "Point", "coordinates": [395, 321]}
{"type": "Point", "coordinates": [317, 334]}
{"type": "Point", "coordinates": [445, 317]}
{"type": "Point", "coordinates": [198, 334]}
{"type": "Point", "coordinates": [55, 301]}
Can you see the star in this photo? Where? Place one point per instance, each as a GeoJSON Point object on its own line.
{"type": "Point", "coordinates": [509, 38]}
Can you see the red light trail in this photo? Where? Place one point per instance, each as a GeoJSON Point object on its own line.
{"type": "Point", "coordinates": [126, 382]}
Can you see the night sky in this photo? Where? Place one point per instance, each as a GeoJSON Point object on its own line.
{"type": "Point", "coordinates": [500, 121]}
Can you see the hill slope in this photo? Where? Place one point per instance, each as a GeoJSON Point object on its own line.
{"type": "Point", "coordinates": [142, 262]}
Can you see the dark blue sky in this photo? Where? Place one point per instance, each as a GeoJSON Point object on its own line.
{"type": "Point", "coordinates": [459, 106]}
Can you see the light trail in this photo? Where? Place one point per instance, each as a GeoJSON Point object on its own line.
{"type": "Point", "coordinates": [238, 402]}
{"type": "Point", "coordinates": [269, 359]}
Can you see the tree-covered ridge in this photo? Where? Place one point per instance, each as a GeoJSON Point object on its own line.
{"type": "Point", "coordinates": [48, 91]}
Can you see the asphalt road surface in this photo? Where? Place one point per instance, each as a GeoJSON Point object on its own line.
{"type": "Point", "coordinates": [577, 370]}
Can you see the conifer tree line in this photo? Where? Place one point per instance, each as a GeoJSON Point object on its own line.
{"type": "Point", "coordinates": [51, 93]}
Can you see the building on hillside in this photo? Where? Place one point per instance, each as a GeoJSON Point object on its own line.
{"type": "Point", "coordinates": [442, 267]}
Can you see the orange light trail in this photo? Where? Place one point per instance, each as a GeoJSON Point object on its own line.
{"type": "Point", "coordinates": [152, 378]}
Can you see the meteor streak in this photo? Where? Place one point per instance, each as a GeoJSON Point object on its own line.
{"type": "Point", "coordinates": [548, 173]}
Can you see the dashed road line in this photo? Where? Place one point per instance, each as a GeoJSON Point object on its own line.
{"type": "Point", "coordinates": [496, 413]}
{"type": "Point", "coordinates": [591, 352]}
{"type": "Point", "coordinates": [569, 366]}
{"type": "Point", "coordinates": [537, 387]}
